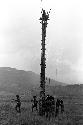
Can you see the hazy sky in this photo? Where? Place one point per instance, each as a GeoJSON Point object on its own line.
{"type": "Point", "coordinates": [20, 37]}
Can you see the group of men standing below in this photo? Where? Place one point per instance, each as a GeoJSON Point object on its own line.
{"type": "Point", "coordinates": [50, 106]}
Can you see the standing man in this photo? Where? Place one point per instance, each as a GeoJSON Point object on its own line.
{"type": "Point", "coordinates": [18, 105]}
{"type": "Point", "coordinates": [62, 106]}
{"type": "Point", "coordinates": [35, 102]}
{"type": "Point", "coordinates": [57, 107]}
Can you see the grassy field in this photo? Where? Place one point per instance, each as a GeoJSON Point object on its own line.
{"type": "Point", "coordinates": [73, 114]}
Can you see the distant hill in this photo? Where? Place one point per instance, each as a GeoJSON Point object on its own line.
{"type": "Point", "coordinates": [13, 80]}
{"type": "Point", "coordinates": [26, 83]}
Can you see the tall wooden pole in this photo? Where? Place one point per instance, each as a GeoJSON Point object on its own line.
{"type": "Point", "coordinates": [44, 18]}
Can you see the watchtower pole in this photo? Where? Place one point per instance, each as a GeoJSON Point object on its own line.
{"type": "Point", "coordinates": [44, 19]}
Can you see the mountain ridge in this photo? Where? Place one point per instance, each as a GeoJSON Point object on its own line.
{"type": "Point", "coordinates": [14, 80]}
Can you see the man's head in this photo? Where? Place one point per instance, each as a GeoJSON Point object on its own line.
{"type": "Point", "coordinates": [17, 96]}
{"type": "Point", "coordinates": [34, 96]}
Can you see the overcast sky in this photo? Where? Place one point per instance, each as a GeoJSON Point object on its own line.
{"type": "Point", "coordinates": [20, 37]}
